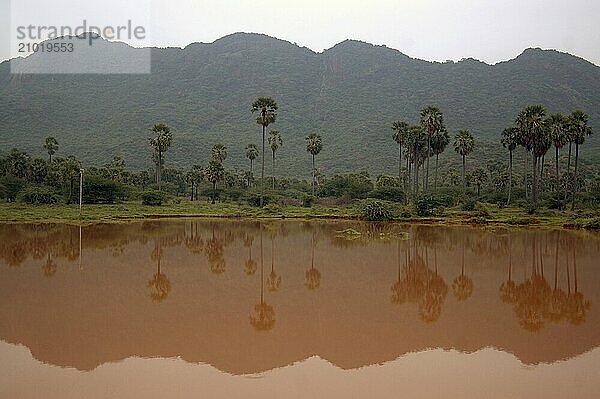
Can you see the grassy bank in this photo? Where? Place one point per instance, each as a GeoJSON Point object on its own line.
{"type": "Point", "coordinates": [485, 214]}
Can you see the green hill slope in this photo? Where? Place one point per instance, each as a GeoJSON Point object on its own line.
{"type": "Point", "coordinates": [350, 94]}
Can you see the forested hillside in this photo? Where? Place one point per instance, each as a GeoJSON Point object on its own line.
{"type": "Point", "coordinates": [350, 94]}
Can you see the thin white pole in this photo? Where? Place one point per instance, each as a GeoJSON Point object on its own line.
{"type": "Point", "coordinates": [80, 190]}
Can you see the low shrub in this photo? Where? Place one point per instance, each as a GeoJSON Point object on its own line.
{"type": "Point", "coordinates": [468, 204]}
{"type": "Point", "coordinates": [39, 195]}
{"type": "Point", "coordinates": [388, 193]}
{"type": "Point", "coordinates": [426, 205]}
{"type": "Point", "coordinates": [374, 210]}
{"type": "Point", "coordinates": [99, 190]}
{"type": "Point", "coordinates": [153, 197]}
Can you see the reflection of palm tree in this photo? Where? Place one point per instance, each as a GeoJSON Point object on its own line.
{"type": "Point", "coordinates": [49, 267]}
{"type": "Point", "coordinates": [313, 276]}
{"type": "Point", "coordinates": [419, 285]}
{"type": "Point", "coordinates": [462, 286]}
{"type": "Point", "coordinates": [263, 318]}
{"type": "Point", "coordinates": [399, 289]}
{"type": "Point", "coordinates": [274, 280]}
{"type": "Point", "coordinates": [576, 304]}
{"type": "Point", "coordinates": [214, 253]}
{"type": "Point", "coordinates": [250, 266]}
{"type": "Point", "coordinates": [508, 287]}
{"type": "Point", "coordinates": [159, 286]}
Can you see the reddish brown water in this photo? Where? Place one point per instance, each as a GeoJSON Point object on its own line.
{"type": "Point", "coordinates": [225, 309]}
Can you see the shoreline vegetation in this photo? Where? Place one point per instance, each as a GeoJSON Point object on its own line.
{"type": "Point", "coordinates": [496, 192]}
{"type": "Point", "coordinates": [484, 215]}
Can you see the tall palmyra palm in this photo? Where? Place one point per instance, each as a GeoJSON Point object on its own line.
{"type": "Point", "coordinates": [534, 136]}
{"type": "Point", "coordinates": [439, 142]}
{"type": "Point", "coordinates": [51, 146]}
{"type": "Point", "coordinates": [464, 144]}
{"type": "Point", "coordinates": [432, 121]}
{"type": "Point", "coordinates": [579, 129]}
{"type": "Point", "coordinates": [558, 125]}
{"type": "Point", "coordinates": [251, 154]}
{"type": "Point", "coordinates": [219, 153]}
{"type": "Point", "coordinates": [214, 173]}
{"type": "Point", "coordinates": [275, 142]}
{"type": "Point", "coordinates": [510, 140]}
{"type": "Point", "coordinates": [267, 114]}
{"type": "Point", "coordinates": [400, 129]}
{"type": "Point", "coordinates": [160, 142]}
{"type": "Point", "coordinates": [314, 145]}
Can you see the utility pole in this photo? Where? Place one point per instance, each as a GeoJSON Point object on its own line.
{"type": "Point", "coordinates": [80, 191]}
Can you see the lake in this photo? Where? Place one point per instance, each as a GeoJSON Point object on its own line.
{"type": "Point", "coordinates": [297, 309]}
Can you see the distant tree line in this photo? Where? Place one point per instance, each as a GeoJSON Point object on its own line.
{"type": "Point", "coordinates": [39, 180]}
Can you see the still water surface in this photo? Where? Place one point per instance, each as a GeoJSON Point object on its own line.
{"type": "Point", "coordinates": [223, 309]}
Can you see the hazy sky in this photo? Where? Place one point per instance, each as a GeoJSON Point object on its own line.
{"type": "Point", "coordinates": [489, 30]}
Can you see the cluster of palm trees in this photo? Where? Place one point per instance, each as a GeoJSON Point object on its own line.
{"type": "Point", "coordinates": [537, 132]}
{"type": "Point", "coordinates": [421, 141]}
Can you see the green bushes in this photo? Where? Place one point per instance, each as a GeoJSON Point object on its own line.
{"type": "Point", "coordinates": [11, 187]}
{"type": "Point", "coordinates": [99, 190]}
{"type": "Point", "coordinates": [427, 204]}
{"type": "Point", "coordinates": [39, 195]}
{"type": "Point", "coordinates": [376, 211]}
{"type": "Point", "coordinates": [388, 193]}
{"type": "Point", "coordinates": [352, 186]}
{"type": "Point", "coordinates": [153, 197]}
{"type": "Point", "coordinates": [468, 204]}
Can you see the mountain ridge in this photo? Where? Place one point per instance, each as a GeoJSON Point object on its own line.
{"type": "Point", "coordinates": [350, 93]}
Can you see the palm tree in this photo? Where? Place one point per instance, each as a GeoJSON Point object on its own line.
{"type": "Point", "coordinates": [314, 145]}
{"type": "Point", "coordinates": [214, 173]}
{"type": "Point", "coordinates": [439, 142]}
{"type": "Point", "coordinates": [432, 121]}
{"type": "Point", "coordinates": [160, 142]}
{"type": "Point", "coordinates": [219, 153]}
{"type": "Point", "coordinates": [558, 125]}
{"type": "Point", "coordinates": [69, 170]}
{"type": "Point", "coordinates": [464, 144]}
{"type": "Point", "coordinates": [416, 143]}
{"type": "Point", "coordinates": [251, 154]}
{"type": "Point", "coordinates": [51, 146]}
{"type": "Point", "coordinates": [267, 109]}
{"type": "Point", "coordinates": [479, 177]}
{"type": "Point", "coordinates": [579, 128]}
{"type": "Point", "coordinates": [275, 142]}
{"type": "Point", "coordinates": [534, 136]}
{"type": "Point", "coordinates": [510, 139]}
{"type": "Point", "coordinates": [400, 129]}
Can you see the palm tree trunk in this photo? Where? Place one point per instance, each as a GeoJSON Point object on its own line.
{"type": "Point", "coordinates": [542, 172]}
{"type": "Point", "coordinates": [426, 185]}
{"type": "Point", "coordinates": [214, 192]}
{"type": "Point", "coordinates": [557, 171]}
{"type": "Point", "coordinates": [273, 170]}
{"type": "Point", "coordinates": [534, 188]}
{"type": "Point", "coordinates": [510, 173]}
{"type": "Point", "coordinates": [464, 172]}
{"type": "Point", "coordinates": [399, 162]}
{"type": "Point", "coordinates": [262, 174]}
{"type": "Point", "coordinates": [314, 175]}
{"type": "Point", "coordinates": [416, 177]}
{"type": "Point", "coordinates": [437, 156]}
{"type": "Point", "coordinates": [569, 160]}
{"type": "Point", "coordinates": [575, 183]}
{"type": "Point", "coordinates": [192, 197]}
{"type": "Point", "coordinates": [525, 181]}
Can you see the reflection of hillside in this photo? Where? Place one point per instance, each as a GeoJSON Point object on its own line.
{"type": "Point", "coordinates": [348, 321]}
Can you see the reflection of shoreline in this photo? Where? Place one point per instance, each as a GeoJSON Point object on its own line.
{"type": "Point", "coordinates": [350, 320]}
